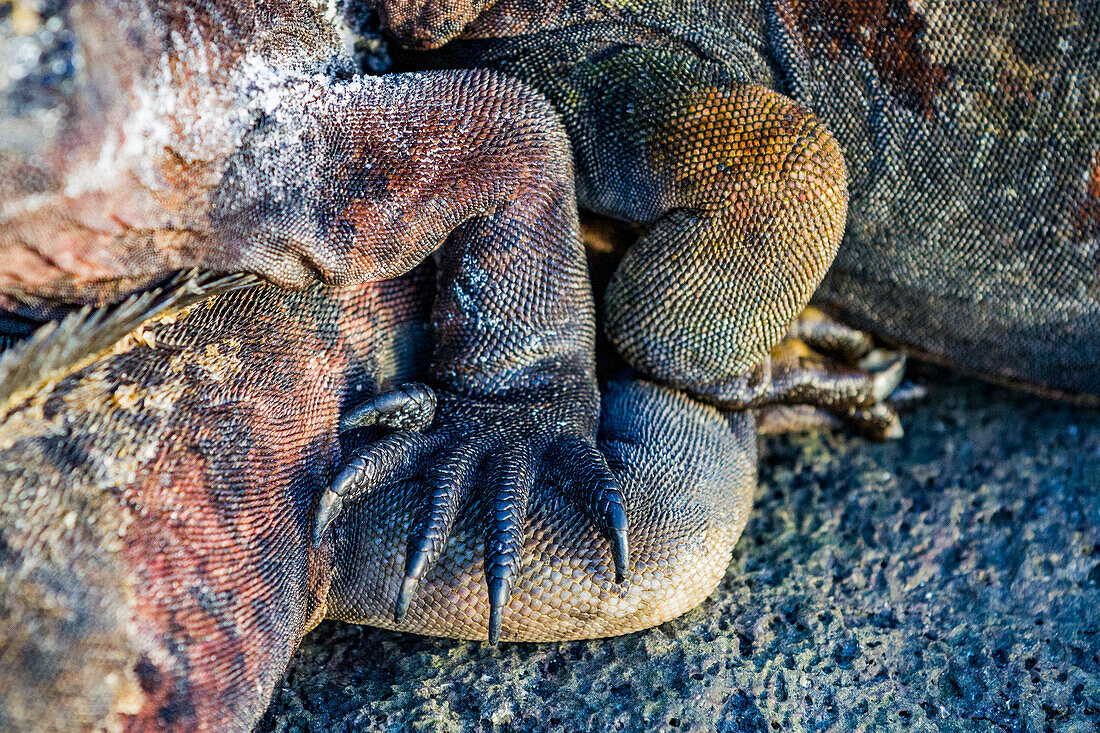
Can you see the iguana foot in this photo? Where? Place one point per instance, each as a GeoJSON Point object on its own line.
{"type": "Point", "coordinates": [687, 473]}
{"type": "Point", "coordinates": [487, 455]}
{"type": "Point", "coordinates": [825, 374]}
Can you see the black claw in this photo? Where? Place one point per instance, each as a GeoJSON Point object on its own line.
{"type": "Point", "coordinates": [616, 532]}
{"type": "Point", "coordinates": [404, 598]}
{"type": "Point", "coordinates": [620, 551]}
{"type": "Point", "coordinates": [417, 563]}
{"type": "Point", "coordinates": [327, 510]}
{"type": "Point", "coordinates": [499, 590]}
{"type": "Point", "coordinates": [449, 482]}
{"type": "Point", "coordinates": [620, 548]}
{"type": "Point", "coordinates": [888, 377]}
{"type": "Point", "coordinates": [347, 483]}
{"type": "Point", "coordinates": [409, 407]}
{"type": "Point", "coordinates": [415, 566]}
{"type": "Point", "coordinates": [589, 482]}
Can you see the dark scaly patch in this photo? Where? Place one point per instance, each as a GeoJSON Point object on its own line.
{"type": "Point", "coordinates": [887, 33]}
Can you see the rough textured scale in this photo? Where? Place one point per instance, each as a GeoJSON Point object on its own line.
{"type": "Point", "coordinates": [969, 133]}
{"type": "Point", "coordinates": [957, 145]}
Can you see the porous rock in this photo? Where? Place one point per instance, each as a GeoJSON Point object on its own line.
{"type": "Point", "coordinates": [946, 581]}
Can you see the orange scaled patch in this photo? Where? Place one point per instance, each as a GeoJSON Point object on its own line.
{"type": "Point", "coordinates": [760, 153]}
{"type": "Point", "coordinates": [742, 138]}
{"type": "Point", "coordinates": [1088, 212]}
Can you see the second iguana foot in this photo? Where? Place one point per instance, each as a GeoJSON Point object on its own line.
{"type": "Point", "coordinates": [826, 374]}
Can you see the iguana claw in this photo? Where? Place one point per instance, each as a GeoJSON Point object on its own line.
{"type": "Point", "coordinates": [408, 408]}
{"type": "Point", "coordinates": [491, 456]}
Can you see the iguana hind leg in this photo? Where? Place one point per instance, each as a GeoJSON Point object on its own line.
{"type": "Point", "coordinates": [747, 210]}
{"type": "Point", "coordinates": [821, 374]}
{"type": "Point", "coordinates": [741, 195]}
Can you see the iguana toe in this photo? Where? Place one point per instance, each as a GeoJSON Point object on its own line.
{"type": "Point", "coordinates": [828, 336]}
{"type": "Point", "coordinates": [825, 374]}
{"type": "Point", "coordinates": [447, 485]}
{"type": "Point", "coordinates": [409, 407]}
{"type": "Point", "coordinates": [509, 473]}
{"type": "Point", "coordinates": [380, 462]}
{"type": "Point", "coordinates": [589, 482]}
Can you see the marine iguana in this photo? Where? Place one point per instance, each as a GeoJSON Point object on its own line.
{"type": "Point", "coordinates": [236, 136]}
{"type": "Point", "coordinates": [90, 217]}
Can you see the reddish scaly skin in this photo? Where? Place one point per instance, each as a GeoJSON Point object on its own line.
{"type": "Point", "coordinates": [237, 137]}
{"type": "Point", "coordinates": [887, 33]}
{"type": "Point", "coordinates": [174, 512]}
{"type": "Point", "coordinates": [219, 550]}
{"type": "Point", "coordinates": [229, 581]}
{"type": "Point", "coordinates": [157, 513]}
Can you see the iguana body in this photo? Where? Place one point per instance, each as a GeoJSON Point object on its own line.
{"type": "Point", "coordinates": [969, 131]}
{"type": "Point", "coordinates": [234, 137]}
{"type": "Point", "coordinates": [244, 140]}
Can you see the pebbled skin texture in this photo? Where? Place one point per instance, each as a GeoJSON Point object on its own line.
{"type": "Point", "coordinates": [236, 136]}
{"type": "Point", "coordinates": [239, 136]}
{"type": "Point", "coordinates": [969, 135]}
{"type": "Point", "coordinates": [157, 567]}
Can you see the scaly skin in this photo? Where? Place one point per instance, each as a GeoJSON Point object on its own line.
{"type": "Point", "coordinates": [158, 500]}
{"type": "Point", "coordinates": [235, 136]}
{"type": "Point", "coordinates": [970, 136]}
{"type": "Point", "coordinates": [157, 567]}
